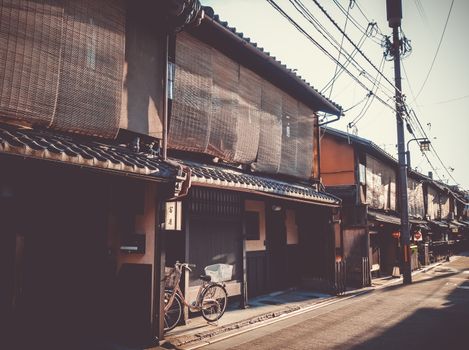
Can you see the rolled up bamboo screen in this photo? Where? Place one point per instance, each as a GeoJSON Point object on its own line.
{"type": "Point", "coordinates": [30, 48]}
{"type": "Point", "coordinates": [270, 140]}
{"type": "Point", "coordinates": [190, 122]}
{"type": "Point", "coordinates": [248, 116]}
{"type": "Point", "coordinates": [61, 63]}
{"type": "Point", "coordinates": [91, 74]}
{"type": "Point", "coordinates": [224, 109]}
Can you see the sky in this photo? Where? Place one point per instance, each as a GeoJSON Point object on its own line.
{"type": "Point", "coordinates": [440, 105]}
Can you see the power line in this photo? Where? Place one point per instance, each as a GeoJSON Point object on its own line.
{"type": "Point", "coordinates": [340, 48]}
{"type": "Point", "coordinates": [306, 13]}
{"type": "Point", "coordinates": [354, 21]}
{"type": "Point", "coordinates": [437, 50]}
{"type": "Point", "coordinates": [367, 106]}
{"type": "Point", "coordinates": [450, 100]}
{"type": "Point", "coordinates": [327, 53]}
{"type": "Point", "coordinates": [378, 30]}
{"type": "Point", "coordinates": [352, 43]}
{"type": "Point", "coordinates": [412, 115]}
{"type": "Point", "coordinates": [433, 150]}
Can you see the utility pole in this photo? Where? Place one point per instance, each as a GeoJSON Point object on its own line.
{"type": "Point", "coordinates": [394, 14]}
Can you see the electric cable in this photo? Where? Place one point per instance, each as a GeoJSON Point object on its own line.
{"type": "Point", "coordinates": [304, 11]}
{"type": "Point", "coordinates": [437, 50]}
{"type": "Point", "coordinates": [321, 48]}
{"type": "Point", "coordinates": [300, 7]}
{"type": "Point", "coordinates": [353, 44]}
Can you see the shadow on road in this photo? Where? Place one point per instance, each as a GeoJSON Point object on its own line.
{"type": "Point", "coordinates": [444, 326]}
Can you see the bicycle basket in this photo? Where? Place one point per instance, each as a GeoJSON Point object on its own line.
{"type": "Point", "coordinates": [219, 272]}
{"type": "Point", "coordinates": [171, 277]}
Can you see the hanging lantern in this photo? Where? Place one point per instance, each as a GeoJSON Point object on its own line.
{"type": "Point", "coordinates": [418, 236]}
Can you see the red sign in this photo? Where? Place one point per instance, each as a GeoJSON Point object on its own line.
{"type": "Point", "coordinates": [396, 234]}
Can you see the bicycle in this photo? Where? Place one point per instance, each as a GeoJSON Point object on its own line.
{"type": "Point", "coordinates": [211, 298]}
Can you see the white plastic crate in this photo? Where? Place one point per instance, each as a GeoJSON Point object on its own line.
{"type": "Point", "coordinates": [219, 272]}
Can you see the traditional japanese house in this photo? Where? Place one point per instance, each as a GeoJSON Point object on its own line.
{"type": "Point", "coordinates": [419, 228]}
{"type": "Point", "coordinates": [364, 177]}
{"type": "Point", "coordinates": [445, 212]}
{"type": "Point", "coordinates": [81, 181]}
{"type": "Point", "coordinates": [246, 127]}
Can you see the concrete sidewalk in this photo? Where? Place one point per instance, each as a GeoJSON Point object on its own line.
{"type": "Point", "coordinates": [262, 311]}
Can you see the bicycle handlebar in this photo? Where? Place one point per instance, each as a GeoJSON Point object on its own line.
{"type": "Point", "coordinates": [184, 265]}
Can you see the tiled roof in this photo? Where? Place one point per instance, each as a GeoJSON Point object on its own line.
{"type": "Point", "coordinates": [390, 219]}
{"type": "Point", "coordinates": [78, 150]}
{"type": "Point", "coordinates": [221, 176]}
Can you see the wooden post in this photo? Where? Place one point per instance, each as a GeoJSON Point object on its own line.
{"type": "Point", "coordinates": [186, 218]}
{"type": "Point", "coordinates": [244, 282]}
{"type": "Point", "coordinates": [159, 270]}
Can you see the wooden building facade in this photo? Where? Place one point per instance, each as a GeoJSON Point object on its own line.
{"type": "Point", "coordinates": [364, 177]}
{"type": "Point", "coordinates": [247, 129]}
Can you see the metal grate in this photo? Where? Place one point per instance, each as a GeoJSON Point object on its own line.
{"type": "Point", "coordinates": [205, 201]}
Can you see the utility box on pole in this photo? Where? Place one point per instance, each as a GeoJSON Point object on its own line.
{"type": "Point", "coordinates": [394, 12]}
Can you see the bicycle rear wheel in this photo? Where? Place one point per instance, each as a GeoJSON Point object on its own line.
{"type": "Point", "coordinates": [173, 314]}
{"type": "Point", "coordinates": [214, 300]}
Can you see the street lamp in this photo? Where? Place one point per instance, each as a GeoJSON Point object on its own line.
{"type": "Point", "coordinates": [424, 144]}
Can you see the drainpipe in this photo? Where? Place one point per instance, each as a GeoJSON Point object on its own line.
{"type": "Point", "coordinates": [165, 98]}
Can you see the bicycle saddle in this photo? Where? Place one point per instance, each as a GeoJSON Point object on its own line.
{"type": "Point", "coordinates": [205, 278]}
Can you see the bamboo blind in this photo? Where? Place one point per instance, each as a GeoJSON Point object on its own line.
{"type": "Point", "coordinates": [89, 95]}
{"type": "Point", "coordinates": [415, 195]}
{"type": "Point", "coordinates": [380, 184]}
{"type": "Point", "coordinates": [30, 46]}
{"type": "Point", "coordinates": [225, 110]}
{"type": "Point", "coordinates": [61, 63]}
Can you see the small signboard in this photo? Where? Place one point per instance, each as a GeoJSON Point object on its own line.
{"type": "Point", "coordinates": [173, 216]}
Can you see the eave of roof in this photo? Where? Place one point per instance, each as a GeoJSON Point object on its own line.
{"type": "Point", "coordinates": [234, 179]}
{"type": "Point", "coordinates": [85, 152]}
{"type": "Point", "coordinates": [386, 218]}
{"type": "Point", "coordinates": [243, 47]}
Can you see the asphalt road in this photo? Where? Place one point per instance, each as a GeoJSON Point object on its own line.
{"type": "Point", "coordinates": [432, 313]}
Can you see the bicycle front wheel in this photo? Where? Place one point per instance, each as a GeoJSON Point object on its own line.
{"type": "Point", "coordinates": [173, 314]}
{"type": "Point", "coordinates": [214, 300]}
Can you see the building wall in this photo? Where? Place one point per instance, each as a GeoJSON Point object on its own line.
{"type": "Point", "coordinates": [133, 211]}
{"type": "Point", "coordinates": [142, 91]}
{"type": "Point", "coordinates": [337, 162]}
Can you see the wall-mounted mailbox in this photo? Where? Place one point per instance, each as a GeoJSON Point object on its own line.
{"type": "Point", "coordinates": [134, 243]}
